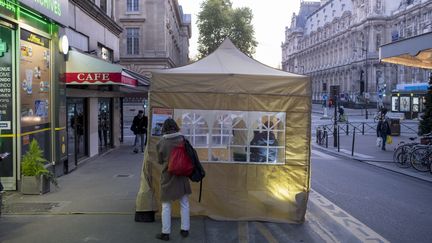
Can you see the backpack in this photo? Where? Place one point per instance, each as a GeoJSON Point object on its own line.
{"type": "Point", "coordinates": [179, 161]}
{"type": "Point", "coordinates": [198, 172]}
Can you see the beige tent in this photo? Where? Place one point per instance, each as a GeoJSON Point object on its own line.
{"type": "Point", "coordinates": [250, 125]}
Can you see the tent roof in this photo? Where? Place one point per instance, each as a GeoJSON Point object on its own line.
{"type": "Point", "coordinates": [227, 59]}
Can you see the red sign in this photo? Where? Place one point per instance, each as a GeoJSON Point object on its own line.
{"type": "Point", "coordinates": [99, 78]}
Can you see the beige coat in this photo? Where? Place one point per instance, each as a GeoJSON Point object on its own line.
{"type": "Point", "coordinates": [172, 187]}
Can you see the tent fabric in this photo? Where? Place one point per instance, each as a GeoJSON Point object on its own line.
{"type": "Point", "coordinates": [229, 80]}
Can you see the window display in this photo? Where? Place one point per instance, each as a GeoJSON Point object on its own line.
{"type": "Point", "coordinates": [395, 104]}
{"type": "Point", "coordinates": [35, 80]}
{"type": "Point", "coordinates": [233, 136]}
{"type": "Point", "coordinates": [415, 104]}
{"type": "Point", "coordinates": [404, 103]}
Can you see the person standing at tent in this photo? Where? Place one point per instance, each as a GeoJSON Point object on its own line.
{"type": "Point", "coordinates": [172, 187]}
{"type": "Point", "coordinates": [139, 128]}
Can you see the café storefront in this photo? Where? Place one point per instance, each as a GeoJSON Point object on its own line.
{"type": "Point", "coordinates": [95, 92]}
{"type": "Point", "coordinates": [32, 90]}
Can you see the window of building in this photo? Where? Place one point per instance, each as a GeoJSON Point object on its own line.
{"type": "Point", "coordinates": [235, 136]}
{"type": "Point", "coordinates": [132, 5]}
{"type": "Point", "coordinates": [103, 5]}
{"type": "Point", "coordinates": [132, 41]}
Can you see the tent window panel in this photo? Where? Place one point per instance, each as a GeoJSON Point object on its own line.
{"type": "Point", "coordinates": [235, 136]}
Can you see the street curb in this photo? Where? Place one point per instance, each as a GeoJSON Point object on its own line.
{"type": "Point", "coordinates": [374, 163]}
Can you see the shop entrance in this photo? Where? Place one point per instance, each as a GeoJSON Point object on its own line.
{"type": "Point", "coordinates": [76, 130]}
{"type": "Point", "coordinates": [105, 124]}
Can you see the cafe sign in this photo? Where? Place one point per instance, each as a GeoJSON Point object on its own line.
{"type": "Point", "coordinates": [56, 10]}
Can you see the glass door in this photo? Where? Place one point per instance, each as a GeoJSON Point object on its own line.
{"type": "Point", "coordinates": [105, 124]}
{"type": "Point", "coordinates": [76, 130]}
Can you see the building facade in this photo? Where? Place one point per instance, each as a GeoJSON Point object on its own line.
{"type": "Point", "coordinates": [156, 34]}
{"type": "Point", "coordinates": [336, 43]}
{"type": "Point", "coordinates": [60, 82]}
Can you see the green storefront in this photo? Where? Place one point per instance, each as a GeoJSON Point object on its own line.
{"type": "Point", "coordinates": [32, 86]}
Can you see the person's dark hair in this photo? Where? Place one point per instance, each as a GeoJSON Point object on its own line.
{"type": "Point", "coordinates": [169, 126]}
{"type": "Point", "coordinates": [140, 111]}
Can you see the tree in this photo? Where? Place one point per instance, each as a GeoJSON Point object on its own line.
{"type": "Point", "coordinates": [218, 20]}
{"type": "Point", "coordinates": [425, 125]}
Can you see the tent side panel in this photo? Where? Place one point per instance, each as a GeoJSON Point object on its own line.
{"type": "Point", "coordinates": [245, 191]}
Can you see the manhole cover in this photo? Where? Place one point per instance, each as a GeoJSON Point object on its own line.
{"type": "Point", "coordinates": [33, 207]}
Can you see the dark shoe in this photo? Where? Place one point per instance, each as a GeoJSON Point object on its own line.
{"type": "Point", "coordinates": [162, 236]}
{"type": "Point", "coordinates": [184, 233]}
{"type": "Point", "coordinates": [383, 149]}
{"type": "Point", "coordinates": [135, 150]}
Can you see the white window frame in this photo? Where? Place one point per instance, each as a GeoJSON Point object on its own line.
{"type": "Point", "coordinates": [132, 36]}
{"type": "Point", "coordinates": [212, 125]}
{"type": "Point", "coordinates": [132, 5]}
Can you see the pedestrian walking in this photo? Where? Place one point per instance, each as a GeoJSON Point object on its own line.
{"type": "Point", "coordinates": [172, 187]}
{"type": "Point", "coordinates": [139, 128]}
{"type": "Point", "coordinates": [383, 130]}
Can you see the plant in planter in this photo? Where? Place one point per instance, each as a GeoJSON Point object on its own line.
{"type": "Point", "coordinates": [35, 178]}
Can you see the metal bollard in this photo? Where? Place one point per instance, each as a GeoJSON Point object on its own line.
{"type": "Point", "coordinates": [326, 138]}
{"type": "Point", "coordinates": [353, 142]}
{"type": "Point", "coordinates": [347, 129]}
{"type": "Point", "coordinates": [338, 139]}
{"type": "Point", "coordinates": [362, 128]}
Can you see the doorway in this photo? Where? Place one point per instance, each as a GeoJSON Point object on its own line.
{"type": "Point", "coordinates": [76, 130]}
{"type": "Point", "coordinates": [105, 124]}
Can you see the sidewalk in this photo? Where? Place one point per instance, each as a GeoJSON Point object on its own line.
{"type": "Point", "coordinates": [365, 150]}
{"type": "Point", "coordinates": [96, 203]}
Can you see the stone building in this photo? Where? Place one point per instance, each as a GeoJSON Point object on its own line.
{"type": "Point", "coordinates": [336, 43]}
{"type": "Point", "coordinates": [155, 34]}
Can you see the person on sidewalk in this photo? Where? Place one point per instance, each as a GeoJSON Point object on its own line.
{"type": "Point", "coordinates": [172, 187]}
{"type": "Point", "coordinates": [139, 128]}
{"type": "Point", "coordinates": [383, 129]}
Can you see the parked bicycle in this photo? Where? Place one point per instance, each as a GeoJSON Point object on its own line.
{"type": "Point", "coordinates": [421, 158]}
{"type": "Point", "coordinates": [403, 154]}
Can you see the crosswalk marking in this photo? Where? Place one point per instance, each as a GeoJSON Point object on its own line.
{"type": "Point", "coordinates": [323, 155]}
{"type": "Point", "coordinates": [353, 225]}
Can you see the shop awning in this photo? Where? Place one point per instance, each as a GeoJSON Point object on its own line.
{"type": "Point", "coordinates": [415, 51]}
{"type": "Point", "coordinates": [82, 69]}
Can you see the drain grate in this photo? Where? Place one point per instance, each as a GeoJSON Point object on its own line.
{"type": "Point", "coordinates": [123, 175]}
{"type": "Point", "coordinates": [33, 207]}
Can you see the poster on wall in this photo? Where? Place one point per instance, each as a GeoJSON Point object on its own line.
{"type": "Point", "coordinates": [6, 101]}
{"type": "Point", "coordinates": [159, 115]}
{"type": "Point", "coordinates": [35, 79]}
{"type": "Point", "coordinates": [395, 104]}
{"type": "Point", "coordinates": [405, 104]}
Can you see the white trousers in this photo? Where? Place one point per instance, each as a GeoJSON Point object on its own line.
{"type": "Point", "coordinates": [184, 213]}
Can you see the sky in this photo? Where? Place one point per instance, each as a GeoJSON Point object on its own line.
{"type": "Point", "coordinates": [269, 21]}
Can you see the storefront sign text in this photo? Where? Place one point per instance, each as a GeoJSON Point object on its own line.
{"type": "Point", "coordinates": [52, 5]}
{"type": "Point", "coordinates": [7, 5]}
{"type": "Point", "coordinates": [99, 78]}
{"type": "Point", "coordinates": [53, 9]}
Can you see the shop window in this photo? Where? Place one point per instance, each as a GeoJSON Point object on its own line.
{"type": "Point", "coordinates": [234, 136]}
{"type": "Point", "coordinates": [132, 41]}
{"type": "Point", "coordinates": [405, 104]}
{"type": "Point", "coordinates": [132, 5]}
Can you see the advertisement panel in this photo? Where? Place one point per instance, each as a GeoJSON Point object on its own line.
{"type": "Point", "coordinates": [6, 101]}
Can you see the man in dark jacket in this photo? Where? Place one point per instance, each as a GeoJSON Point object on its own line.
{"type": "Point", "coordinates": [383, 129]}
{"type": "Point", "coordinates": [139, 128]}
